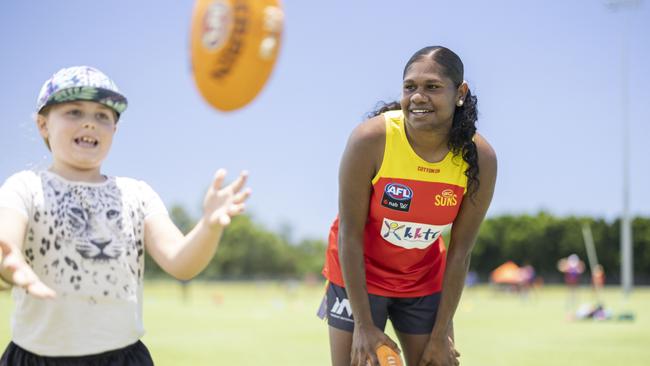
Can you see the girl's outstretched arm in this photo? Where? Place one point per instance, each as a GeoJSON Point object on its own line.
{"type": "Point", "coordinates": [186, 256]}
{"type": "Point", "coordinates": [13, 267]}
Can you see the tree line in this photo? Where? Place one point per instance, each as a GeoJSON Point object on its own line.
{"type": "Point", "coordinates": [250, 251]}
{"type": "Point", "coordinates": [542, 239]}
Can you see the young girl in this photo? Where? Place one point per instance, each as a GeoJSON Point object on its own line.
{"type": "Point", "coordinates": [73, 239]}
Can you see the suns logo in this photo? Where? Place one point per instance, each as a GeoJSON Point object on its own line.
{"type": "Point", "coordinates": [446, 198]}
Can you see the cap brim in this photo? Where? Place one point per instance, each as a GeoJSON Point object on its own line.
{"type": "Point", "coordinates": [234, 46]}
{"type": "Point", "coordinates": [109, 98]}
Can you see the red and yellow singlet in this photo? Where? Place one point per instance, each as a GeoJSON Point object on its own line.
{"type": "Point", "coordinates": [411, 203]}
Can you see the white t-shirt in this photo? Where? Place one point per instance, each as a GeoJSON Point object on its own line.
{"type": "Point", "coordinates": [85, 241]}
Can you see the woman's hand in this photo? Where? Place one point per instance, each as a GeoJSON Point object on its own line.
{"type": "Point", "coordinates": [440, 352]}
{"type": "Point", "coordinates": [365, 340]}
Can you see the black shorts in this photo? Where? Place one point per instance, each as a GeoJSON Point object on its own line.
{"type": "Point", "coordinates": [410, 315]}
{"type": "Point", "coordinates": [133, 355]}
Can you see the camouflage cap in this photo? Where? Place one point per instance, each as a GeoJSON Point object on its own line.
{"type": "Point", "coordinates": [81, 83]}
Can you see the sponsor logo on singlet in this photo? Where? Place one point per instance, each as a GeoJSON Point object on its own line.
{"type": "Point", "coordinates": [410, 235]}
{"type": "Point", "coordinates": [446, 198]}
{"type": "Point", "coordinates": [428, 170]}
{"type": "Point", "coordinates": [397, 197]}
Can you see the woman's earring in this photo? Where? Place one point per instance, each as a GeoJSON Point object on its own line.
{"type": "Point", "coordinates": [460, 103]}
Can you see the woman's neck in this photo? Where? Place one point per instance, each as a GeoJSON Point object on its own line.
{"type": "Point", "coordinates": [430, 145]}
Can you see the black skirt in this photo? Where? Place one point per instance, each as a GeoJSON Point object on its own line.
{"type": "Point", "coordinates": [133, 355]}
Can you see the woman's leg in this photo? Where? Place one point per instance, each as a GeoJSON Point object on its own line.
{"type": "Point", "coordinates": [341, 321]}
{"type": "Point", "coordinates": [413, 320]}
{"type": "Point", "coordinates": [412, 346]}
{"type": "Point", "coordinates": [340, 346]}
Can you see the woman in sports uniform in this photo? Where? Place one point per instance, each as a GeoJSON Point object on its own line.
{"type": "Point", "coordinates": [410, 172]}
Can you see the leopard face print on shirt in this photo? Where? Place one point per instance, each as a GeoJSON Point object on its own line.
{"type": "Point", "coordinates": [92, 244]}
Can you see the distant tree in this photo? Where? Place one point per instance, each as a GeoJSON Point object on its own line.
{"type": "Point", "coordinates": [247, 250]}
{"type": "Point", "coordinates": [182, 218]}
{"type": "Point", "coordinates": [543, 239]}
{"type": "Point", "coordinates": [310, 255]}
{"type": "Point", "coordinates": [641, 245]}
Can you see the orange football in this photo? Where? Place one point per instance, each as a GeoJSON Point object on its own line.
{"type": "Point", "coordinates": [387, 357]}
{"type": "Point", "coordinates": [234, 46]}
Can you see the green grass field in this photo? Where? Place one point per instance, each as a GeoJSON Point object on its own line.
{"type": "Point", "coordinates": [271, 323]}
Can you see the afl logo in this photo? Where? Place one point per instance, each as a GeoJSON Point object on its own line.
{"type": "Point", "coordinates": [398, 191]}
{"type": "Point", "coordinates": [397, 197]}
{"type": "Point", "coordinates": [446, 198]}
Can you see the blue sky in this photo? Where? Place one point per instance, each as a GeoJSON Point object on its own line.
{"type": "Point", "coordinates": [548, 75]}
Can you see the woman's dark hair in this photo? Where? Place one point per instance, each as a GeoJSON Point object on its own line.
{"type": "Point", "coordinates": [463, 126]}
